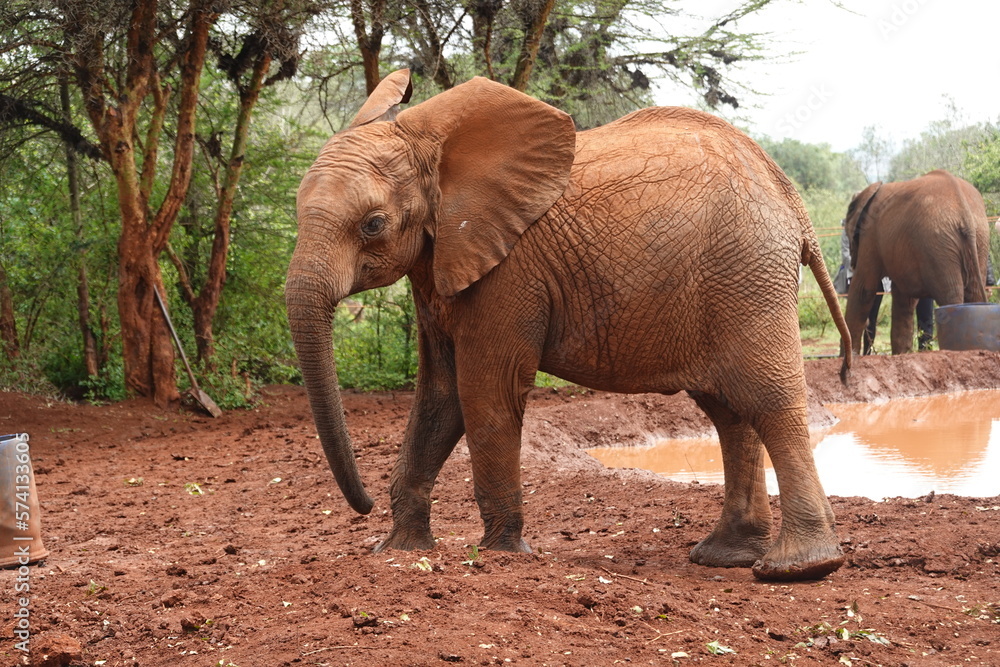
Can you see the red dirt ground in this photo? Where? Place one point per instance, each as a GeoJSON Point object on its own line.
{"type": "Point", "coordinates": [269, 567]}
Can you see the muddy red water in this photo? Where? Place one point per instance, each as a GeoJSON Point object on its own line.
{"type": "Point", "coordinates": [181, 540]}
{"type": "Point", "coordinates": [904, 447]}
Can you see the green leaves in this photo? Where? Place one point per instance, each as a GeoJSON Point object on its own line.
{"type": "Point", "coordinates": [375, 339]}
{"type": "Point", "coordinates": [715, 648]}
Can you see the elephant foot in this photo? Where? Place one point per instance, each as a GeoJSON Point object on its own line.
{"type": "Point", "coordinates": [732, 548]}
{"type": "Point", "coordinates": [796, 562]}
{"type": "Point", "coordinates": [516, 546]}
{"type": "Point", "coordinates": [406, 541]}
{"type": "Point", "coordinates": [503, 533]}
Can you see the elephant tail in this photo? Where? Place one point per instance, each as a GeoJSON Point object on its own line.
{"type": "Point", "coordinates": [974, 273]}
{"type": "Point", "coordinates": [812, 256]}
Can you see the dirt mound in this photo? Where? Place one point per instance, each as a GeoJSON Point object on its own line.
{"type": "Point", "coordinates": [181, 540]}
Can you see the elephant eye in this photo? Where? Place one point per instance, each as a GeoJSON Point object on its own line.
{"type": "Point", "coordinates": [373, 225]}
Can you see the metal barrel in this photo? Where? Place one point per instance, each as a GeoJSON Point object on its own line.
{"type": "Point", "coordinates": [968, 326]}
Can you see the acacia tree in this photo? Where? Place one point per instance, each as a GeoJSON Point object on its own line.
{"type": "Point", "coordinates": [246, 61]}
{"type": "Point", "coordinates": [569, 52]}
{"type": "Point", "coordinates": [138, 65]}
{"type": "Point", "coordinates": [128, 91]}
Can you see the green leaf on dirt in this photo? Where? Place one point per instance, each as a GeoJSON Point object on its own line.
{"type": "Point", "coordinates": [424, 564]}
{"type": "Point", "coordinates": [715, 648]}
{"type": "Point", "coordinates": [134, 481]}
{"type": "Point", "coordinates": [871, 636]}
{"type": "Point", "coordinates": [473, 555]}
{"type": "Point", "coordinates": [193, 489]}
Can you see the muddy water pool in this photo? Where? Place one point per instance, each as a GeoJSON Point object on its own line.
{"type": "Point", "coordinates": [906, 447]}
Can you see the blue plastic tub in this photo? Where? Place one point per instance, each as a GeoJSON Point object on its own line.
{"type": "Point", "coordinates": [968, 326]}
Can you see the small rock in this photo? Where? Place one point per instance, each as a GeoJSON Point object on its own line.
{"type": "Point", "coordinates": [362, 620]}
{"type": "Point", "coordinates": [55, 650]}
{"type": "Point", "coordinates": [171, 599]}
{"type": "Point", "coordinates": [192, 621]}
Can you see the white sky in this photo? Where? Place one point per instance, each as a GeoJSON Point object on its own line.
{"type": "Point", "coordinates": [891, 63]}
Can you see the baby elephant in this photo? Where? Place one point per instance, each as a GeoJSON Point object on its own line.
{"type": "Point", "coordinates": [659, 253]}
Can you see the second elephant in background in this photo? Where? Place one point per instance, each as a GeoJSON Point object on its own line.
{"type": "Point", "coordinates": [929, 236]}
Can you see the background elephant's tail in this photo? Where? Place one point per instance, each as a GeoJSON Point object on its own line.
{"type": "Point", "coordinates": [973, 271]}
{"type": "Point", "coordinates": [812, 256]}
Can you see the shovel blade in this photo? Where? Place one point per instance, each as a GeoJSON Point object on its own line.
{"type": "Point", "coordinates": [205, 401]}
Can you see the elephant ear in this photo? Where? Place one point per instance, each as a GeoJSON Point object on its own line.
{"type": "Point", "coordinates": [383, 103]}
{"type": "Point", "coordinates": [857, 211]}
{"type": "Point", "coordinates": [503, 159]}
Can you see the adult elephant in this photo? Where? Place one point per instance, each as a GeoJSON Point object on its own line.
{"type": "Point", "coordinates": [655, 254]}
{"type": "Point", "coordinates": [928, 235]}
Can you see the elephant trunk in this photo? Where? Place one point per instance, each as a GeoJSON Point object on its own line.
{"type": "Point", "coordinates": [310, 303]}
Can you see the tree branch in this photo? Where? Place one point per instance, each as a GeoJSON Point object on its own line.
{"type": "Point", "coordinates": [13, 110]}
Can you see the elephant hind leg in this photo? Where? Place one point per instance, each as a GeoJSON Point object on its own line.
{"type": "Point", "coordinates": [902, 323]}
{"type": "Point", "coordinates": [743, 532]}
{"type": "Point", "coordinates": [807, 545]}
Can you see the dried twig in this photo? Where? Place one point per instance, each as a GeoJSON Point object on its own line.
{"type": "Point", "coordinates": [659, 635]}
{"type": "Point", "coordinates": [937, 606]}
{"type": "Point", "coordinates": [625, 576]}
{"type": "Point", "coordinates": [337, 648]}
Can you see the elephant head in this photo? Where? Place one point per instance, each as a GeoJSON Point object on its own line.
{"type": "Point", "coordinates": [857, 212]}
{"type": "Point", "coordinates": [450, 183]}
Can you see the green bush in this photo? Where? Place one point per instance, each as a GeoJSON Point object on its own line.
{"type": "Point", "coordinates": [375, 338]}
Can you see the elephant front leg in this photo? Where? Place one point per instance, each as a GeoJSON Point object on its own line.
{"type": "Point", "coordinates": [494, 410]}
{"type": "Point", "coordinates": [434, 428]}
{"type": "Point", "coordinates": [743, 532]}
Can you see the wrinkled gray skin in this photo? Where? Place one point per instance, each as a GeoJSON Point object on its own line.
{"type": "Point", "coordinates": [929, 235]}
{"type": "Point", "coordinates": [656, 254]}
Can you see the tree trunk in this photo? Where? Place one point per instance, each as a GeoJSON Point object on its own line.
{"type": "Point", "coordinates": [207, 302]}
{"type": "Point", "coordinates": [147, 348]}
{"type": "Point", "coordinates": [82, 289]}
{"type": "Point", "coordinates": [534, 25]}
{"type": "Point", "coordinates": [429, 44]}
{"type": "Point", "coordinates": [8, 326]}
{"type": "Point", "coordinates": [370, 44]}
{"type": "Point", "coordinates": [483, 13]}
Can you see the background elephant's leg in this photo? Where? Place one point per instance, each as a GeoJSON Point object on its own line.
{"type": "Point", "coordinates": [860, 299]}
{"type": "Point", "coordinates": [494, 394]}
{"type": "Point", "coordinates": [434, 428]}
{"type": "Point", "coordinates": [743, 533]}
{"type": "Point", "coordinates": [871, 328]}
{"type": "Point", "coordinates": [902, 323]}
{"type": "Point", "coordinates": [807, 545]}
